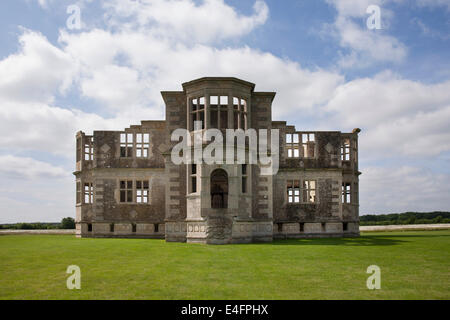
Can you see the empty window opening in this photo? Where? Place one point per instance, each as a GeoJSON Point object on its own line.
{"type": "Point", "coordinates": [89, 227]}
{"type": "Point", "coordinates": [309, 191]}
{"type": "Point", "coordinates": [194, 184]}
{"type": "Point", "coordinates": [193, 176]}
{"type": "Point", "coordinates": [280, 227]}
{"type": "Point", "coordinates": [126, 191]}
{"type": "Point", "coordinates": [293, 191]}
{"type": "Point", "coordinates": [111, 227]}
{"type": "Point", "coordinates": [214, 111]}
{"type": "Point", "coordinates": [219, 189]}
{"type": "Point", "coordinates": [239, 113]}
{"type": "Point", "coordinates": [308, 144]}
{"type": "Point", "coordinates": [244, 178]}
{"type": "Point", "coordinates": [142, 191]}
{"type": "Point", "coordinates": [293, 145]}
{"type": "Point", "coordinates": [198, 112]}
{"type": "Point", "coordinates": [142, 145]}
{"type": "Point", "coordinates": [346, 192]}
{"type": "Point", "coordinates": [156, 227]}
{"type": "Point", "coordinates": [133, 227]}
{"type": "Point", "coordinates": [324, 226]}
{"type": "Point", "coordinates": [89, 148]}
{"type": "Point", "coordinates": [88, 193]}
{"type": "Point", "coordinates": [302, 227]}
{"type": "Point", "coordinates": [214, 101]}
{"type": "Point", "coordinates": [345, 150]}
{"type": "Point", "coordinates": [126, 145]}
{"type": "Point", "coordinates": [345, 226]}
{"type": "Point", "coordinates": [219, 112]}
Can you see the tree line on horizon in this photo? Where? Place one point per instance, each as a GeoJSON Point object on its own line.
{"type": "Point", "coordinates": [66, 223]}
{"type": "Point", "coordinates": [405, 218]}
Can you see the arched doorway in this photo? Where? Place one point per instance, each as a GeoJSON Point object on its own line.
{"type": "Point", "coordinates": [219, 189]}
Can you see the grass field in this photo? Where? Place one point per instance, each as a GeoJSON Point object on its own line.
{"type": "Point", "coordinates": [414, 265]}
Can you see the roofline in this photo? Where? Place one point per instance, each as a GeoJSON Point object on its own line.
{"type": "Point", "coordinates": [192, 82]}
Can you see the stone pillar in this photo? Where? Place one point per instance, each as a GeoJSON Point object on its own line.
{"type": "Point", "coordinates": [207, 111]}
{"type": "Point", "coordinates": [230, 110]}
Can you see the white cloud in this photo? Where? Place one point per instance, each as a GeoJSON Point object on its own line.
{"type": "Point", "coordinates": [366, 47]}
{"type": "Point", "coordinates": [154, 64]}
{"type": "Point", "coordinates": [37, 71]}
{"type": "Point", "coordinates": [352, 8]}
{"type": "Point", "coordinates": [400, 189]}
{"type": "Point", "coordinates": [29, 168]}
{"type": "Point", "coordinates": [210, 21]}
{"type": "Point", "coordinates": [44, 128]}
{"type": "Point", "coordinates": [44, 3]}
{"type": "Point", "coordinates": [398, 116]}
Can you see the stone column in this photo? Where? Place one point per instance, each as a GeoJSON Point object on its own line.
{"type": "Point", "coordinates": [230, 110]}
{"type": "Point", "coordinates": [207, 111]}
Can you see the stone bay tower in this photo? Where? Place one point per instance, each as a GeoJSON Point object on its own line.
{"type": "Point", "coordinates": [128, 185]}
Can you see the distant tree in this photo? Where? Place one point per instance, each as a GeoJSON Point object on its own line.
{"type": "Point", "coordinates": [25, 226]}
{"type": "Point", "coordinates": [438, 219]}
{"type": "Point", "coordinates": [68, 223]}
{"type": "Point", "coordinates": [405, 218]}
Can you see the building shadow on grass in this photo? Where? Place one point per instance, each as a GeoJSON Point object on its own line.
{"type": "Point", "coordinates": [365, 240]}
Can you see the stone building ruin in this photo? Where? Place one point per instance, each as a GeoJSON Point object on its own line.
{"type": "Point", "coordinates": [127, 185]}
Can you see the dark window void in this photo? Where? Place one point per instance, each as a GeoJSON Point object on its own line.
{"type": "Point", "coordinates": [244, 178]}
{"type": "Point", "coordinates": [89, 227]}
{"type": "Point", "coordinates": [156, 227]}
{"type": "Point", "coordinates": [345, 226]}
{"type": "Point", "coordinates": [280, 227]}
{"type": "Point", "coordinates": [111, 227]}
{"type": "Point", "coordinates": [302, 227]}
{"type": "Point", "coordinates": [133, 227]}
{"type": "Point", "coordinates": [219, 189]}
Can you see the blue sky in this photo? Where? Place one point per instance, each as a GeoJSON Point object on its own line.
{"type": "Point", "coordinates": [329, 70]}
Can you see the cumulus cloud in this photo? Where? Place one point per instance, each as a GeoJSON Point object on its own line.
{"type": "Point", "coordinates": [365, 47]}
{"type": "Point", "coordinates": [209, 21]}
{"type": "Point", "coordinates": [37, 71]}
{"type": "Point", "coordinates": [40, 127]}
{"type": "Point", "coordinates": [398, 116]}
{"type": "Point", "coordinates": [154, 64]}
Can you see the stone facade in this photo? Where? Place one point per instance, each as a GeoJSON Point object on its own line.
{"type": "Point", "coordinates": [128, 185]}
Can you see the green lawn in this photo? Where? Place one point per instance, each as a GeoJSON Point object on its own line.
{"type": "Point", "coordinates": [414, 265]}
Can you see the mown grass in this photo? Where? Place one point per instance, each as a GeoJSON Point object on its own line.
{"type": "Point", "coordinates": [414, 265]}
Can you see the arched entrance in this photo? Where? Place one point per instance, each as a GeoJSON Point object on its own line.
{"type": "Point", "coordinates": [219, 189]}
